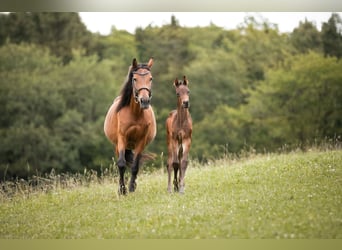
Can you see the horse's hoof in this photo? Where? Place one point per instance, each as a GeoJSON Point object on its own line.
{"type": "Point", "coordinates": [122, 190]}
{"type": "Point", "coordinates": [181, 190]}
{"type": "Point", "coordinates": [132, 187]}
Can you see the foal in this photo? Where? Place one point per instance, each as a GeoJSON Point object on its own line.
{"type": "Point", "coordinates": [179, 132]}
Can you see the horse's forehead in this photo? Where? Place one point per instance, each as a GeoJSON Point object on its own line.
{"type": "Point", "coordinates": [182, 89]}
{"type": "Point", "coordinates": [142, 72]}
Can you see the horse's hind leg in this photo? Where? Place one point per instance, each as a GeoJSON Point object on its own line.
{"type": "Point", "coordinates": [175, 178]}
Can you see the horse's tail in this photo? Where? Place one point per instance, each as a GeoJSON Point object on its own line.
{"type": "Point", "coordinates": [147, 156]}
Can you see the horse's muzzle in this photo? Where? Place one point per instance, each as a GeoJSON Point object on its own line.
{"type": "Point", "coordinates": [144, 103]}
{"type": "Point", "coordinates": [186, 104]}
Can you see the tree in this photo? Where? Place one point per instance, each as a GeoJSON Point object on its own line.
{"type": "Point", "coordinates": [60, 31]}
{"type": "Point", "coordinates": [306, 37]}
{"type": "Point", "coordinates": [332, 36]}
{"type": "Point", "coordinates": [223, 131]}
{"type": "Point", "coordinates": [298, 103]}
{"type": "Point", "coordinates": [52, 114]}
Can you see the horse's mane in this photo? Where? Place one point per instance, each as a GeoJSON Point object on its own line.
{"type": "Point", "coordinates": [127, 89]}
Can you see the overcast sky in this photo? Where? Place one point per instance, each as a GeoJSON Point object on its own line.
{"type": "Point", "coordinates": [102, 22]}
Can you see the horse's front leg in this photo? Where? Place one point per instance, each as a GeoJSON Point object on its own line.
{"type": "Point", "coordinates": [171, 164]}
{"type": "Point", "coordinates": [122, 167]}
{"type": "Point", "coordinates": [135, 170]}
{"type": "Point", "coordinates": [184, 164]}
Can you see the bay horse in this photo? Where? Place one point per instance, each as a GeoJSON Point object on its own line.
{"type": "Point", "coordinates": [130, 123]}
{"type": "Point", "coordinates": [178, 135]}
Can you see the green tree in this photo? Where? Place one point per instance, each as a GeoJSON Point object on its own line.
{"type": "Point", "coordinates": [298, 103]}
{"type": "Point", "coordinates": [306, 37]}
{"type": "Point", "coordinates": [332, 36]}
{"type": "Point", "coordinates": [223, 131]}
{"type": "Point", "coordinates": [60, 31]}
{"type": "Point", "coordinates": [261, 47]}
{"type": "Point", "coordinates": [52, 114]}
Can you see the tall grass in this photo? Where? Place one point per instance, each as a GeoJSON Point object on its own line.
{"type": "Point", "coordinates": [293, 195]}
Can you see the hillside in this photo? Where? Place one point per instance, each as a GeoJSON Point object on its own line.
{"type": "Point", "coordinates": [295, 195]}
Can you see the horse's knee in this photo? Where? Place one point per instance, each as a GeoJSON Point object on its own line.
{"type": "Point", "coordinates": [184, 164]}
{"type": "Point", "coordinates": [121, 162]}
{"type": "Point", "coordinates": [175, 165]}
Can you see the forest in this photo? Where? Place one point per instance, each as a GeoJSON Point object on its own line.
{"type": "Point", "coordinates": [252, 88]}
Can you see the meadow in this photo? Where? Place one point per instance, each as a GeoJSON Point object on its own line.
{"type": "Point", "coordinates": [293, 195]}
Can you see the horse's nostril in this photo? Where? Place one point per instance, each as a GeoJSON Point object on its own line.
{"type": "Point", "coordinates": [144, 103]}
{"type": "Point", "coordinates": [186, 104]}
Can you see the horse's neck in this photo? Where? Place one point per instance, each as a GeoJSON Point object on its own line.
{"type": "Point", "coordinates": [182, 114]}
{"type": "Point", "coordinates": [135, 107]}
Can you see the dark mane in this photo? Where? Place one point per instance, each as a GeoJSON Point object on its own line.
{"type": "Point", "coordinates": [127, 89]}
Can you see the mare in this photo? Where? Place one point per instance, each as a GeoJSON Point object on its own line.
{"type": "Point", "coordinates": [130, 123]}
{"type": "Point", "coordinates": [178, 135]}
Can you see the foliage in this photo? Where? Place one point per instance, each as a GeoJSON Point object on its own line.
{"type": "Point", "coordinates": [275, 196]}
{"type": "Point", "coordinates": [304, 98]}
{"type": "Point", "coordinates": [306, 37]}
{"type": "Point", "coordinates": [250, 87]}
{"type": "Point", "coordinates": [60, 31]}
{"type": "Point", "coordinates": [332, 36]}
{"type": "Point", "coordinates": [52, 114]}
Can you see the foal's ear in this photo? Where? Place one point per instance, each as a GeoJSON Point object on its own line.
{"type": "Point", "coordinates": [150, 63]}
{"type": "Point", "coordinates": [134, 63]}
{"type": "Point", "coordinates": [176, 83]}
{"type": "Point", "coordinates": [185, 81]}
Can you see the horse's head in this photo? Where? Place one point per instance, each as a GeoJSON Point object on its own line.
{"type": "Point", "coordinates": [182, 91]}
{"type": "Point", "coordinates": [142, 82]}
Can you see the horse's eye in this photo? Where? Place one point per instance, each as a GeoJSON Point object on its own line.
{"type": "Point", "coordinates": [178, 94]}
{"type": "Point", "coordinates": [134, 80]}
{"type": "Point", "coordinates": [188, 92]}
{"type": "Point", "coordinates": [151, 79]}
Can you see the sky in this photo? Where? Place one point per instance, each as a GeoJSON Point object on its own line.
{"type": "Point", "coordinates": [102, 22]}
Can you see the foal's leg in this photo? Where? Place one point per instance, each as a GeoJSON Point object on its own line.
{"type": "Point", "coordinates": [175, 177]}
{"type": "Point", "coordinates": [175, 165]}
{"type": "Point", "coordinates": [172, 164]}
{"type": "Point", "coordinates": [169, 170]}
{"type": "Point", "coordinates": [184, 164]}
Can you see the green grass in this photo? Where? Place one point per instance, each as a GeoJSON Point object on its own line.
{"type": "Point", "coordinates": [295, 195]}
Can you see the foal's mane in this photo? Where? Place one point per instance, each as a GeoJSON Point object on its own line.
{"type": "Point", "coordinates": [127, 89]}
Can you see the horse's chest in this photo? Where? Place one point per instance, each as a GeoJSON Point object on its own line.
{"type": "Point", "coordinates": [182, 130]}
{"type": "Point", "coordinates": [135, 132]}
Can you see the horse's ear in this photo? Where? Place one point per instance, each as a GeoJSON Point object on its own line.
{"type": "Point", "coordinates": [185, 81]}
{"type": "Point", "coordinates": [176, 83]}
{"type": "Point", "coordinates": [134, 63]}
{"type": "Point", "coordinates": [150, 63]}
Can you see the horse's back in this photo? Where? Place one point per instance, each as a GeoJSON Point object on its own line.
{"type": "Point", "coordinates": [169, 120]}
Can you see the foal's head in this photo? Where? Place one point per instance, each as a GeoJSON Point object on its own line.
{"type": "Point", "coordinates": [142, 83]}
{"type": "Point", "coordinates": [182, 91]}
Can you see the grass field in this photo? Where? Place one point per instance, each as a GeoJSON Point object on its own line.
{"type": "Point", "coordinates": [294, 195]}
